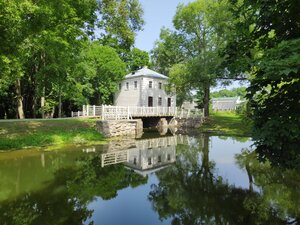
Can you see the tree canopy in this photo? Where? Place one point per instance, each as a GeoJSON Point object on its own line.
{"type": "Point", "coordinates": [201, 28]}
{"type": "Point", "coordinates": [45, 44]}
{"type": "Point", "coordinates": [266, 44]}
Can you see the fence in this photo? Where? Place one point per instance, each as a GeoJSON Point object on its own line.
{"type": "Point", "coordinates": [108, 112]}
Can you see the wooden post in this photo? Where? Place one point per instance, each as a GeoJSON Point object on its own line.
{"type": "Point", "coordinates": [78, 114]}
{"type": "Point", "coordinates": [72, 114]}
{"type": "Point", "coordinates": [87, 110]}
{"type": "Point", "coordinates": [127, 112]}
{"type": "Point", "coordinates": [83, 110]}
{"type": "Point", "coordinates": [94, 110]}
{"type": "Point", "coordinates": [102, 112]}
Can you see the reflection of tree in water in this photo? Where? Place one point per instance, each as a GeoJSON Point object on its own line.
{"type": "Point", "coordinates": [64, 200]}
{"type": "Point", "coordinates": [280, 187]}
{"type": "Point", "coordinates": [191, 193]}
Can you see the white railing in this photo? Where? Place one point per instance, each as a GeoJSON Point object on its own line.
{"type": "Point", "coordinates": [108, 112]}
{"type": "Point", "coordinates": [114, 158]}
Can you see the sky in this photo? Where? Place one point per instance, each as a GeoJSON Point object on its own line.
{"type": "Point", "coordinates": [157, 13]}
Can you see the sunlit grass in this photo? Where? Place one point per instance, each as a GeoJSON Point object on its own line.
{"type": "Point", "coordinates": [227, 123]}
{"type": "Point", "coordinates": [26, 134]}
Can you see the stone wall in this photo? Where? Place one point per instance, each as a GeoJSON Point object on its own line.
{"type": "Point", "coordinates": [114, 128]}
{"type": "Point", "coordinates": [134, 128]}
{"type": "Point", "coordinates": [189, 122]}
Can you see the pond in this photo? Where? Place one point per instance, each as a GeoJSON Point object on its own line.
{"type": "Point", "coordinates": [171, 179]}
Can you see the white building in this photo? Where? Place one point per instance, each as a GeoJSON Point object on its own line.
{"type": "Point", "coordinates": [226, 103]}
{"type": "Point", "coordinates": [144, 87]}
{"type": "Point", "coordinates": [190, 104]}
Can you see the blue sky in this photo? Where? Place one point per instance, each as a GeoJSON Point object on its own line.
{"type": "Point", "coordinates": [157, 13]}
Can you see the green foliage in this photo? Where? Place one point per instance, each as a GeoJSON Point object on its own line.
{"type": "Point", "coordinates": [120, 20]}
{"type": "Point", "coordinates": [100, 70]}
{"type": "Point", "coordinates": [41, 45]}
{"type": "Point", "coordinates": [178, 77]}
{"type": "Point", "coordinates": [167, 51]}
{"type": "Point", "coordinates": [276, 106]}
{"type": "Point", "coordinates": [265, 45]}
{"type": "Point", "coordinates": [234, 92]}
{"type": "Point", "coordinates": [138, 59]}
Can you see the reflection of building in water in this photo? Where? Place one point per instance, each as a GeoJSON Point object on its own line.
{"type": "Point", "coordinates": [145, 161]}
{"type": "Point", "coordinates": [144, 156]}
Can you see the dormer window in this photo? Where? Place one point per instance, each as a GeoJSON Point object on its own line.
{"type": "Point", "coordinates": [150, 84]}
{"type": "Point", "coordinates": [127, 86]}
{"type": "Point", "coordinates": [160, 85]}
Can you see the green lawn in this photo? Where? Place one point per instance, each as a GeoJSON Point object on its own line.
{"type": "Point", "coordinates": [227, 123]}
{"type": "Point", "coordinates": [41, 133]}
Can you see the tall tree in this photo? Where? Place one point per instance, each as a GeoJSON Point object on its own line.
{"type": "Point", "coordinates": [41, 37]}
{"type": "Point", "coordinates": [201, 29]}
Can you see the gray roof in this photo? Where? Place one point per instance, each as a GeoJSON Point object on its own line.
{"type": "Point", "coordinates": [145, 72]}
{"type": "Point", "coordinates": [225, 99]}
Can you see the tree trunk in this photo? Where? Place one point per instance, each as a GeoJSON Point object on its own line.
{"type": "Point", "coordinates": [34, 107]}
{"type": "Point", "coordinates": [59, 103]}
{"type": "Point", "coordinates": [206, 100]}
{"type": "Point", "coordinates": [250, 178]}
{"type": "Point", "coordinates": [43, 103]}
{"type": "Point", "coordinates": [43, 59]}
{"type": "Point", "coordinates": [19, 99]}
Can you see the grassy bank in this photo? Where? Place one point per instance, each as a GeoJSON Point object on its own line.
{"type": "Point", "coordinates": [228, 124]}
{"type": "Point", "coordinates": [41, 133]}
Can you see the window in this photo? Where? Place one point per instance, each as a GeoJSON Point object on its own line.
{"type": "Point", "coordinates": [169, 102]}
{"type": "Point", "coordinates": [169, 157]}
{"type": "Point", "coordinates": [134, 161]}
{"type": "Point", "coordinates": [160, 85]}
{"type": "Point", "coordinates": [127, 86]}
{"type": "Point", "coordinates": [159, 103]}
{"type": "Point", "coordinates": [120, 86]}
{"type": "Point", "coordinates": [149, 161]}
{"type": "Point", "coordinates": [150, 84]}
{"type": "Point", "coordinates": [159, 159]}
{"type": "Point", "coordinates": [135, 84]}
{"type": "Point", "coordinates": [150, 101]}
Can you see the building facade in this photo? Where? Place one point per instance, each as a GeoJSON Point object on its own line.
{"type": "Point", "coordinates": [225, 104]}
{"type": "Point", "coordinates": [144, 87]}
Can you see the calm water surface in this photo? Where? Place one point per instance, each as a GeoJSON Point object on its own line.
{"type": "Point", "coordinates": [176, 179]}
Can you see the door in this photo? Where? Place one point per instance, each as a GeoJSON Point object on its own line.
{"type": "Point", "coordinates": [150, 101]}
{"type": "Point", "coordinates": [169, 102]}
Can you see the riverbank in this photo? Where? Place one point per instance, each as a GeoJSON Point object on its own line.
{"type": "Point", "coordinates": [20, 134]}
{"type": "Point", "coordinates": [227, 124]}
